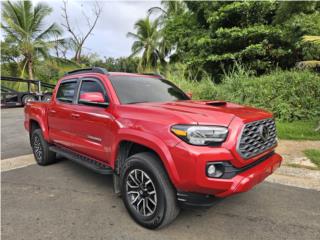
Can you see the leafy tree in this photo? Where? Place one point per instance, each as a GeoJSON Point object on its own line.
{"type": "Point", "coordinates": [148, 42]}
{"type": "Point", "coordinates": [121, 64]}
{"type": "Point", "coordinates": [23, 24]}
{"type": "Point", "coordinates": [168, 9]}
{"type": "Point", "coordinates": [216, 35]}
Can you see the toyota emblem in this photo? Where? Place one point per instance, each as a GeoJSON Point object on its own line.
{"type": "Point", "coordinates": [263, 132]}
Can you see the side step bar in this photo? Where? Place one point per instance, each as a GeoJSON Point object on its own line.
{"type": "Point", "coordinates": [83, 160]}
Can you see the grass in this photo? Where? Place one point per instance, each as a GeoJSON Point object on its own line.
{"type": "Point", "coordinates": [298, 130]}
{"type": "Point", "coordinates": [313, 155]}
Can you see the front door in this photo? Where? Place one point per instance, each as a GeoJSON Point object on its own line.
{"type": "Point", "coordinates": [92, 124]}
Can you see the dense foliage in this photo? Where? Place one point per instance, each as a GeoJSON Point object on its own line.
{"type": "Point", "coordinates": [290, 95]}
{"type": "Point", "coordinates": [121, 64]}
{"type": "Point", "coordinates": [261, 35]}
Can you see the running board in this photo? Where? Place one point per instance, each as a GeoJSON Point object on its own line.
{"type": "Point", "coordinates": [83, 160]}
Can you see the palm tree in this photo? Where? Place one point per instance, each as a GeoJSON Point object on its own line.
{"type": "Point", "coordinates": [23, 23]}
{"type": "Point", "coordinates": [148, 42]}
{"type": "Point", "coordinates": [169, 8]}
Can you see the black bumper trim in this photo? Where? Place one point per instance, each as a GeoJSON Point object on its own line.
{"type": "Point", "coordinates": [231, 171]}
{"type": "Point", "coordinates": [187, 199]}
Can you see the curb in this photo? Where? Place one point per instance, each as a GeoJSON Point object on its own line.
{"type": "Point", "coordinates": [296, 177]}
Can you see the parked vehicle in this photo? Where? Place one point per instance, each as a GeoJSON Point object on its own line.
{"type": "Point", "coordinates": [11, 97]}
{"type": "Point", "coordinates": [163, 149]}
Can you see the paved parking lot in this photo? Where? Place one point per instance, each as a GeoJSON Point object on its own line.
{"type": "Point", "coordinates": [67, 201]}
{"type": "Point", "coordinates": [14, 138]}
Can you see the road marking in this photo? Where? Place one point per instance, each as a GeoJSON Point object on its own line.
{"type": "Point", "coordinates": [17, 162]}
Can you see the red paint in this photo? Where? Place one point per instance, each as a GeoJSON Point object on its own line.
{"type": "Point", "coordinates": [148, 124]}
{"type": "Point", "coordinates": [92, 97]}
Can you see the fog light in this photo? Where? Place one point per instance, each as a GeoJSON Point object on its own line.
{"type": "Point", "coordinates": [211, 170]}
{"type": "Point", "coordinates": [215, 170]}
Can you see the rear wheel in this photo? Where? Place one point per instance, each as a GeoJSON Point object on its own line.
{"type": "Point", "coordinates": [147, 192]}
{"type": "Point", "coordinates": [28, 98]}
{"type": "Point", "coordinates": [40, 147]}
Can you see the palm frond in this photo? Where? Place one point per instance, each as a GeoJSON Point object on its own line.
{"type": "Point", "coordinates": [41, 10]}
{"type": "Point", "coordinates": [52, 30]}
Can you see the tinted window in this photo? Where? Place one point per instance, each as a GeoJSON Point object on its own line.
{"type": "Point", "coordinates": [145, 89]}
{"type": "Point", "coordinates": [90, 86]}
{"type": "Point", "coordinates": [66, 91]}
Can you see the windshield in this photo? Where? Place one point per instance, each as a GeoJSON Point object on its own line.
{"type": "Point", "coordinates": [133, 89]}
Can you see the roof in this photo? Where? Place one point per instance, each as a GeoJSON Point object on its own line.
{"type": "Point", "coordinates": [132, 74]}
{"type": "Point", "coordinates": [101, 70]}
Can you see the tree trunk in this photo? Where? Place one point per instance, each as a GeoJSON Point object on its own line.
{"type": "Point", "coordinates": [78, 54]}
{"type": "Point", "coordinates": [30, 66]}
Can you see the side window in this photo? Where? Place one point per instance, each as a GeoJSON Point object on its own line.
{"type": "Point", "coordinates": [66, 91]}
{"type": "Point", "coordinates": [92, 86]}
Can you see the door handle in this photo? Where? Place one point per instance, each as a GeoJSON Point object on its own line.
{"type": "Point", "coordinates": [52, 111]}
{"type": "Point", "coordinates": [75, 115]}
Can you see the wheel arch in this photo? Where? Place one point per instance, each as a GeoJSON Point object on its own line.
{"type": "Point", "coordinates": [132, 144]}
{"type": "Point", "coordinates": [35, 123]}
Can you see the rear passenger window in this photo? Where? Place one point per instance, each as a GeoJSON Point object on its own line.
{"type": "Point", "coordinates": [91, 86]}
{"type": "Point", "coordinates": [66, 91]}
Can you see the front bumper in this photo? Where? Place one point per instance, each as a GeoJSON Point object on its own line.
{"type": "Point", "coordinates": [193, 178]}
{"type": "Point", "coordinates": [246, 180]}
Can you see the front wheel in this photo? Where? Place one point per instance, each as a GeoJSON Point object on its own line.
{"type": "Point", "coordinates": [147, 192]}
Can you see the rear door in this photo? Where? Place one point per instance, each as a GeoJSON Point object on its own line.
{"type": "Point", "coordinates": [92, 125]}
{"type": "Point", "coordinates": [60, 118]}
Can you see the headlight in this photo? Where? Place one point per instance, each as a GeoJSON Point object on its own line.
{"type": "Point", "coordinates": [200, 135]}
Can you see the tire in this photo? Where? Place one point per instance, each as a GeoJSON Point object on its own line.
{"type": "Point", "coordinates": [40, 148]}
{"type": "Point", "coordinates": [46, 98]}
{"type": "Point", "coordinates": [162, 204]}
{"type": "Point", "coordinates": [28, 98]}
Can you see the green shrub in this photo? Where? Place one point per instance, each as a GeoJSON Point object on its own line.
{"type": "Point", "coordinates": [290, 95]}
{"type": "Point", "coordinates": [185, 79]}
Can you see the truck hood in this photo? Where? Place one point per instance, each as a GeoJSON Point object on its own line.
{"type": "Point", "coordinates": [210, 112]}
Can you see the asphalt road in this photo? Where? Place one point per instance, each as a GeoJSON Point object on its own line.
{"type": "Point", "coordinates": [67, 201]}
{"type": "Point", "coordinates": [14, 138]}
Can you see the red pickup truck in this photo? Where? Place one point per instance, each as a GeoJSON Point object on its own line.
{"type": "Point", "coordinates": [163, 149]}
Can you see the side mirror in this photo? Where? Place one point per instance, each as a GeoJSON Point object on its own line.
{"type": "Point", "coordinates": [189, 94]}
{"type": "Point", "coordinates": [93, 98]}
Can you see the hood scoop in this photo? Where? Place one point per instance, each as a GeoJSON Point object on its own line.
{"type": "Point", "coordinates": [216, 103]}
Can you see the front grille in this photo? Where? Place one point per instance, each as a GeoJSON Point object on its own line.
{"type": "Point", "coordinates": [257, 137]}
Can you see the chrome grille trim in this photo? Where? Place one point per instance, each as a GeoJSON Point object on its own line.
{"type": "Point", "coordinates": [251, 143]}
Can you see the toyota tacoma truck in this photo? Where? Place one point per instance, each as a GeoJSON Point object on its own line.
{"type": "Point", "coordinates": [163, 149]}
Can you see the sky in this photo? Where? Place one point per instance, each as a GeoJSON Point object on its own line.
{"type": "Point", "coordinates": [109, 37]}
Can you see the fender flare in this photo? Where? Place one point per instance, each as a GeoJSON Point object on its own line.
{"type": "Point", "coordinates": [38, 116]}
{"type": "Point", "coordinates": [149, 141]}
